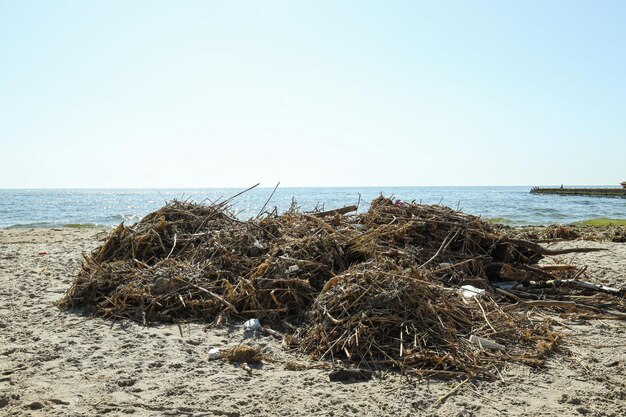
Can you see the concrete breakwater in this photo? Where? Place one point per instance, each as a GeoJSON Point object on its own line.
{"type": "Point", "coordinates": [590, 192]}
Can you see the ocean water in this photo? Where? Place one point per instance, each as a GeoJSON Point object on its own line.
{"type": "Point", "coordinates": [108, 207]}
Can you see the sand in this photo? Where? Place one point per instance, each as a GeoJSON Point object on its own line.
{"type": "Point", "coordinates": [60, 363]}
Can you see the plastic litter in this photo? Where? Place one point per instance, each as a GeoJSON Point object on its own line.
{"type": "Point", "coordinates": [485, 343]}
{"type": "Point", "coordinates": [293, 268]}
{"type": "Point", "coordinates": [214, 354]}
{"type": "Point", "coordinates": [399, 203]}
{"type": "Point", "coordinates": [469, 291]}
{"type": "Point", "coordinates": [252, 325]}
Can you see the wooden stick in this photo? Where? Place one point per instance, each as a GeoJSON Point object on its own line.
{"type": "Point", "coordinates": [221, 299]}
{"type": "Point", "coordinates": [582, 284]}
{"type": "Point", "coordinates": [342, 210]}
{"type": "Point", "coordinates": [323, 224]}
{"type": "Point", "coordinates": [543, 251]}
{"type": "Point", "coordinates": [543, 303]}
{"type": "Point", "coordinates": [223, 203]}
{"type": "Point", "coordinates": [271, 332]}
{"type": "Point", "coordinates": [564, 304]}
{"type": "Point", "coordinates": [442, 248]}
{"type": "Point", "coordinates": [266, 202]}
{"type": "Point", "coordinates": [441, 399]}
{"type": "Point", "coordinates": [172, 250]}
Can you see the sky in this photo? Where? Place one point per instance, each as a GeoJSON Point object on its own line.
{"type": "Point", "coordinates": [311, 93]}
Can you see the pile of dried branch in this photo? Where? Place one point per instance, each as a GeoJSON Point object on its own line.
{"type": "Point", "coordinates": [379, 315]}
{"type": "Point", "coordinates": [380, 288]}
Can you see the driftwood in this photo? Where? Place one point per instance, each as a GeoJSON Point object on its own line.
{"type": "Point", "coordinates": [542, 303]}
{"type": "Point", "coordinates": [342, 210]}
{"type": "Point", "coordinates": [601, 313]}
{"type": "Point", "coordinates": [581, 284]}
{"type": "Point", "coordinates": [550, 252]}
{"type": "Point", "coordinates": [271, 332]}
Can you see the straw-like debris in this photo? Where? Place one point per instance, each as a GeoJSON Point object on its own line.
{"type": "Point", "coordinates": [383, 316]}
{"type": "Point", "coordinates": [242, 354]}
{"type": "Point", "coordinates": [379, 289]}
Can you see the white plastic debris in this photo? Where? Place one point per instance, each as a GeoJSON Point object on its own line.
{"type": "Point", "coordinates": [469, 291]}
{"type": "Point", "coordinates": [485, 343]}
{"type": "Point", "coordinates": [293, 268]}
{"type": "Point", "coordinates": [252, 325]}
{"type": "Point", "coordinates": [214, 354]}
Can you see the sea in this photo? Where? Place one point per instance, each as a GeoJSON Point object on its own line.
{"type": "Point", "coordinates": [34, 208]}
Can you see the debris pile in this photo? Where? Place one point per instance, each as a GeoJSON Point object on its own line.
{"type": "Point", "coordinates": [384, 316]}
{"type": "Point", "coordinates": [381, 288]}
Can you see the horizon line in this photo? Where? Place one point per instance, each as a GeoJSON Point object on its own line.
{"type": "Point", "coordinates": [299, 187]}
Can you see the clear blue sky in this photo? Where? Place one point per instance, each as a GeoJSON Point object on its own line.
{"type": "Point", "coordinates": [209, 94]}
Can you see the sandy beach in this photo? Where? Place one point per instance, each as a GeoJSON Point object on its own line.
{"type": "Point", "coordinates": [62, 363]}
{"type": "Point", "coordinates": [296, 208]}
